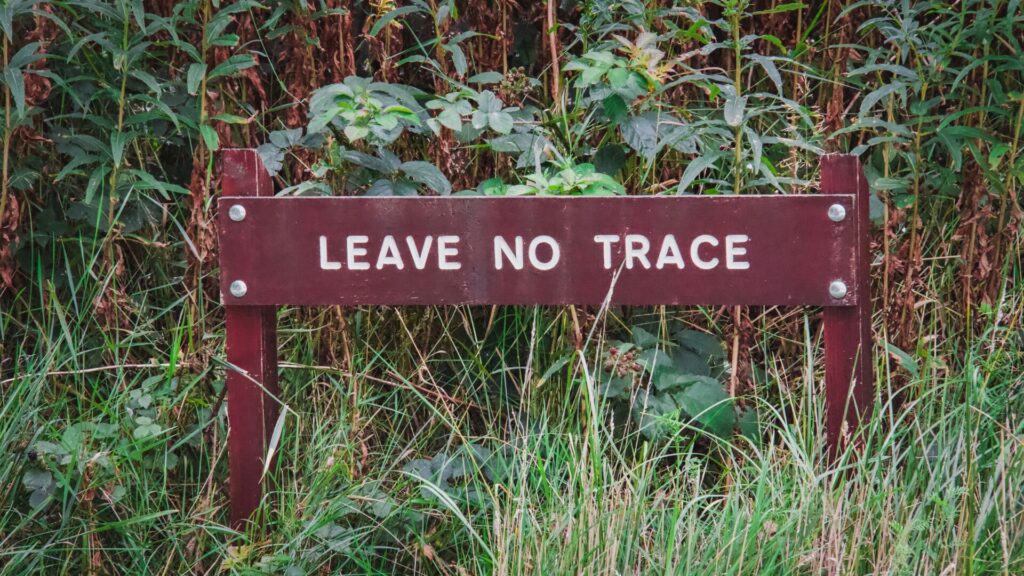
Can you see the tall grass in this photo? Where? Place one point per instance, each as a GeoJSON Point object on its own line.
{"type": "Point", "coordinates": [539, 480]}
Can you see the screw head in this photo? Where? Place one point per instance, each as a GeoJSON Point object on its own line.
{"type": "Point", "coordinates": [836, 213]}
{"type": "Point", "coordinates": [237, 212]}
{"type": "Point", "coordinates": [837, 289]}
{"type": "Point", "coordinates": [238, 288]}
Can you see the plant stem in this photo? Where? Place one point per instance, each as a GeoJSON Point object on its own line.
{"type": "Point", "coordinates": [552, 26]}
{"type": "Point", "coordinates": [734, 22]}
{"type": "Point", "coordinates": [7, 139]}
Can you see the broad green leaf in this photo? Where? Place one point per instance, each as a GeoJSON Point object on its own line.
{"type": "Point", "coordinates": [28, 54]}
{"type": "Point", "coordinates": [428, 174]}
{"type": "Point", "coordinates": [486, 78]}
{"type": "Point", "coordinates": [654, 360]}
{"type": "Point", "coordinates": [693, 169]}
{"type": "Point", "coordinates": [387, 18]}
{"type": "Point", "coordinates": [320, 120]}
{"type": "Point", "coordinates": [355, 133]}
{"type": "Point", "coordinates": [117, 142]}
{"type": "Point", "coordinates": [706, 401]}
{"type": "Point", "coordinates": [450, 119]}
{"type": "Point", "coordinates": [458, 58]}
{"type": "Point", "coordinates": [768, 65]}
{"type": "Point", "coordinates": [641, 134]}
{"type": "Point", "coordinates": [644, 339]}
{"type": "Point", "coordinates": [734, 109]}
{"type": "Point", "coordinates": [195, 77]}
{"type": "Point", "coordinates": [615, 108]}
{"type": "Point", "coordinates": [500, 122]}
{"type": "Point", "coordinates": [610, 159]}
{"type": "Point", "coordinates": [232, 65]}
{"type": "Point", "coordinates": [16, 83]}
{"type": "Point", "coordinates": [873, 97]}
{"type": "Point", "coordinates": [209, 137]}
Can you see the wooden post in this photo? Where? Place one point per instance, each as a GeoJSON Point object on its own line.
{"type": "Point", "coordinates": [252, 347]}
{"type": "Point", "coordinates": [849, 386]}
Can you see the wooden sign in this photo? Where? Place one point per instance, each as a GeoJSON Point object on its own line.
{"type": "Point", "coordinates": [804, 249]}
{"type": "Point", "coordinates": [544, 250]}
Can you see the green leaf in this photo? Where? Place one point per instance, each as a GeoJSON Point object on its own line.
{"type": "Point", "coordinates": [641, 134]}
{"type": "Point", "coordinates": [656, 415]}
{"type": "Point", "coordinates": [688, 362]}
{"type": "Point", "coordinates": [905, 360]}
{"type": "Point", "coordinates": [749, 424]}
{"type": "Point", "coordinates": [644, 339]}
{"type": "Point", "coordinates": [693, 169]}
{"type": "Point", "coordinates": [26, 55]}
{"type": "Point", "coordinates": [500, 122]}
{"type": "Point", "coordinates": [619, 77]}
{"type": "Point", "coordinates": [402, 112]}
{"type": "Point", "coordinates": [427, 174]}
{"type": "Point", "coordinates": [706, 401]}
{"type": "Point", "coordinates": [610, 158]}
{"type": "Point", "coordinates": [355, 133]}
{"type": "Point", "coordinates": [458, 58]}
{"type": "Point", "coordinates": [769, 69]}
{"type": "Point", "coordinates": [387, 18]}
{"type": "Point", "coordinates": [232, 65]}
{"type": "Point", "coordinates": [450, 119]}
{"type": "Point", "coordinates": [195, 77]}
{"type": "Point", "coordinates": [785, 7]}
{"type": "Point", "coordinates": [707, 346]}
{"type": "Point", "coordinates": [230, 119]}
{"type": "Point", "coordinates": [615, 108]}
{"type": "Point", "coordinates": [149, 80]}
{"type": "Point", "coordinates": [16, 83]}
{"type": "Point", "coordinates": [486, 78]}
{"type": "Point", "coordinates": [734, 109]}
{"type": "Point", "coordinates": [209, 137]}
{"type": "Point", "coordinates": [117, 142]}
{"type": "Point", "coordinates": [319, 121]}
{"type": "Point", "coordinates": [872, 98]}
{"type": "Point", "coordinates": [654, 360]}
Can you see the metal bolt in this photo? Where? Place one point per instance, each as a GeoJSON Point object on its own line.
{"type": "Point", "coordinates": [238, 288]}
{"type": "Point", "coordinates": [836, 213]}
{"type": "Point", "coordinates": [837, 289]}
{"type": "Point", "coordinates": [237, 213]}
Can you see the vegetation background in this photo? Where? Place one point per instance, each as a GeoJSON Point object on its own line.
{"type": "Point", "coordinates": [568, 440]}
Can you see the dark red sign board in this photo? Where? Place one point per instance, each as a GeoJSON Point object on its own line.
{"type": "Point", "coordinates": [804, 249]}
{"type": "Point", "coordinates": [545, 250]}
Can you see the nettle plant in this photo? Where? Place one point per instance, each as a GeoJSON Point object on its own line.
{"type": "Point", "coordinates": [669, 386]}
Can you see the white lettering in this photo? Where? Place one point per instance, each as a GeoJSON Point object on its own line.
{"type": "Point", "coordinates": [419, 257]}
{"type": "Point", "coordinates": [326, 264]}
{"type": "Point", "coordinates": [515, 258]}
{"type": "Point", "coordinates": [555, 253]}
{"type": "Point", "coordinates": [444, 251]}
{"type": "Point", "coordinates": [637, 246]}
{"type": "Point", "coordinates": [389, 255]}
{"type": "Point", "coordinates": [732, 251]}
{"type": "Point", "coordinates": [669, 253]}
{"type": "Point", "coordinates": [606, 240]}
{"type": "Point", "coordinates": [695, 251]}
{"type": "Point", "coordinates": [352, 252]}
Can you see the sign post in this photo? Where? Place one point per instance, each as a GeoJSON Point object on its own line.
{"type": "Point", "coordinates": [680, 250]}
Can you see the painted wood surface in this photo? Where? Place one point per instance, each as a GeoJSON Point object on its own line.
{"type": "Point", "coordinates": [252, 351]}
{"type": "Point", "coordinates": [545, 250]}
